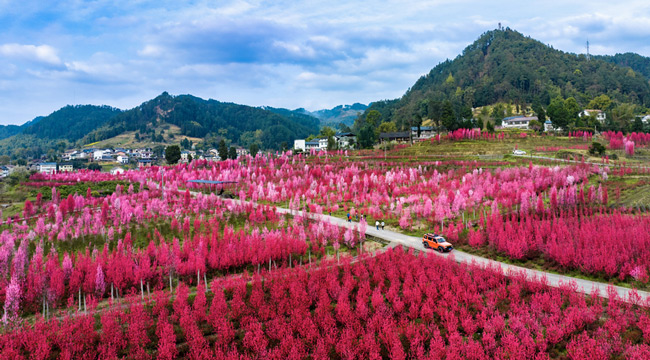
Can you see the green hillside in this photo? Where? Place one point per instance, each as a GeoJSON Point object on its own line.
{"type": "Point", "coordinates": [506, 66]}
{"type": "Point", "coordinates": [209, 118]}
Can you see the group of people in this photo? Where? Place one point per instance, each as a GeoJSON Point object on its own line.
{"type": "Point", "coordinates": [377, 223]}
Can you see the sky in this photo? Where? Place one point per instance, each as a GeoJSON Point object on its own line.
{"type": "Point", "coordinates": [310, 54]}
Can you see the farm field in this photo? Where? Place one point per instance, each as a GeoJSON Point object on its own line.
{"type": "Point", "coordinates": [147, 264]}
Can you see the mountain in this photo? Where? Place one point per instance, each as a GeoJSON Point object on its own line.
{"type": "Point", "coordinates": [10, 130]}
{"type": "Point", "coordinates": [163, 120]}
{"type": "Point", "coordinates": [201, 118]}
{"type": "Point", "coordinates": [339, 114]}
{"type": "Point", "coordinates": [506, 66]}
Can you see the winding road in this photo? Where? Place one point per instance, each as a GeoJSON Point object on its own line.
{"type": "Point", "coordinates": [555, 280]}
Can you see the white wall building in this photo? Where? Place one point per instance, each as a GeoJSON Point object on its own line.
{"type": "Point", "coordinates": [299, 144]}
{"type": "Point", "coordinates": [47, 168]}
{"type": "Point", "coordinates": [517, 122]}
{"type": "Point", "coordinates": [322, 144]}
{"type": "Point", "coordinates": [122, 159]}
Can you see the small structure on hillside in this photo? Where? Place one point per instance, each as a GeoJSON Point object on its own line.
{"type": "Point", "coordinates": [399, 136]}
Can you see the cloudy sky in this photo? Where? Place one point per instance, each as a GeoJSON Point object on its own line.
{"type": "Point", "coordinates": [311, 54]}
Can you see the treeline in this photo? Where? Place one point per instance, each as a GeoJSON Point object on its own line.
{"type": "Point", "coordinates": [505, 66]}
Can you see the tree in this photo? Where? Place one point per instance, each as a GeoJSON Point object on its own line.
{"type": "Point", "coordinates": [536, 125]}
{"type": "Point", "coordinates": [539, 111]}
{"type": "Point", "coordinates": [94, 166]}
{"type": "Point", "coordinates": [366, 137]}
{"type": "Point", "coordinates": [600, 102]}
{"type": "Point", "coordinates": [596, 148]}
{"type": "Point", "coordinates": [189, 158]}
{"type": "Point", "coordinates": [158, 150]}
{"type": "Point", "coordinates": [637, 125]}
{"type": "Point", "coordinates": [387, 127]}
{"type": "Point", "coordinates": [498, 112]}
{"type": "Point", "coordinates": [254, 149]}
{"type": "Point", "coordinates": [448, 116]}
{"type": "Point", "coordinates": [326, 132]}
{"type": "Point", "coordinates": [572, 108]}
{"type": "Point", "coordinates": [223, 150]}
{"type": "Point", "coordinates": [172, 154]}
{"type": "Point", "coordinates": [232, 153]}
{"type": "Point", "coordinates": [559, 115]}
{"type": "Point", "coordinates": [343, 128]}
{"type": "Point", "coordinates": [331, 143]}
{"type": "Point", "coordinates": [373, 118]}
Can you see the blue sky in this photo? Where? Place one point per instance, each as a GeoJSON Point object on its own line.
{"type": "Point", "coordinates": [312, 54]}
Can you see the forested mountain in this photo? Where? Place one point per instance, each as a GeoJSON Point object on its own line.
{"type": "Point", "coordinates": [209, 118]}
{"type": "Point", "coordinates": [9, 130]}
{"type": "Point", "coordinates": [506, 66]}
{"type": "Point", "coordinates": [71, 122]}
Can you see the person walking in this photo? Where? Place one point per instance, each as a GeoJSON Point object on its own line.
{"type": "Point", "coordinates": [377, 224]}
{"type": "Point", "coordinates": [382, 225]}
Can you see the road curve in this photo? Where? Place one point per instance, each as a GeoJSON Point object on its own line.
{"type": "Point", "coordinates": [555, 280]}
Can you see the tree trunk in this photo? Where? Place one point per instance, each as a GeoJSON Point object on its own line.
{"type": "Point", "coordinates": [205, 279]}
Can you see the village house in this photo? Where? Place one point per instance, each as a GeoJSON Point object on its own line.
{"type": "Point", "coordinates": [65, 167]}
{"type": "Point", "coordinates": [426, 132]}
{"type": "Point", "coordinates": [517, 122]}
{"type": "Point", "coordinates": [345, 140]}
{"type": "Point", "coordinates": [399, 136]}
{"type": "Point", "coordinates": [144, 163]}
{"type": "Point", "coordinates": [122, 159]}
{"type": "Point", "coordinates": [47, 168]}
{"type": "Point", "coordinates": [241, 151]}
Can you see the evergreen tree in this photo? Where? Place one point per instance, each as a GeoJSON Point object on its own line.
{"type": "Point", "coordinates": [448, 116]}
{"type": "Point", "coordinates": [254, 149]}
{"type": "Point", "coordinates": [223, 150]}
{"type": "Point", "coordinates": [232, 153]}
{"type": "Point", "coordinates": [172, 154]}
{"type": "Point", "coordinates": [366, 137]}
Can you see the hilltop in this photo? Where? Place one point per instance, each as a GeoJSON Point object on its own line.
{"type": "Point", "coordinates": [506, 66]}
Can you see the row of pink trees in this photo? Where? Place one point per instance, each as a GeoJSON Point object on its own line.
{"type": "Point", "coordinates": [395, 305]}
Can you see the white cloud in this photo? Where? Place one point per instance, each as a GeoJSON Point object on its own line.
{"type": "Point", "coordinates": [151, 51]}
{"type": "Point", "coordinates": [41, 53]}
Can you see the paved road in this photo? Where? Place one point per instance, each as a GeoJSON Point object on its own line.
{"type": "Point", "coordinates": [555, 280]}
{"type": "Point", "coordinates": [579, 162]}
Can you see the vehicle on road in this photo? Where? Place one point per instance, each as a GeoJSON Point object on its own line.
{"type": "Point", "coordinates": [436, 242]}
{"type": "Point", "coordinates": [518, 152]}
